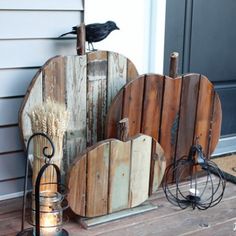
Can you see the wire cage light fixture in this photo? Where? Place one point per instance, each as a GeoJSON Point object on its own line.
{"type": "Point", "coordinates": [201, 195]}
{"type": "Point", "coordinates": [47, 204]}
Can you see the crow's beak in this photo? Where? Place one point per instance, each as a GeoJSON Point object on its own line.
{"type": "Point", "coordinates": [117, 28]}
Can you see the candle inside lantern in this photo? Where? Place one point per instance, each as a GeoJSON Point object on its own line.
{"type": "Point", "coordinates": [194, 192]}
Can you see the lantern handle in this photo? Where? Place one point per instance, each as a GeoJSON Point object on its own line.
{"type": "Point", "coordinates": [48, 156]}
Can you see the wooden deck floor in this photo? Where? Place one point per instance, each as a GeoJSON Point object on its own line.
{"type": "Point", "coordinates": [166, 220]}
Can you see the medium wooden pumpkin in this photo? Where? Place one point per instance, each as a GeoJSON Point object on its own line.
{"type": "Point", "coordinates": [176, 112]}
{"type": "Point", "coordinates": [114, 175]}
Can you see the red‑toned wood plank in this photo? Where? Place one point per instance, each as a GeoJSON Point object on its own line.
{"type": "Point", "coordinates": [188, 105]}
{"type": "Point", "coordinates": [170, 117]}
{"type": "Point", "coordinates": [152, 105]}
{"type": "Point", "coordinates": [114, 116]}
{"type": "Point", "coordinates": [132, 105]}
{"type": "Point", "coordinates": [215, 123]}
{"type": "Point", "coordinates": [204, 113]}
{"type": "Point", "coordinates": [77, 186]}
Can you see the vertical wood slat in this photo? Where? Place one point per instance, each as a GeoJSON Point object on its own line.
{"type": "Point", "coordinates": [96, 96]}
{"type": "Point", "coordinates": [119, 176]}
{"type": "Point", "coordinates": [187, 116]}
{"type": "Point", "coordinates": [170, 118]}
{"type": "Point", "coordinates": [140, 163]}
{"type": "Point", "coordinates": [35, 97]}
{"type": "Point", "coordinates": [132, 72]}
{"type": "Point", "coordinates": [157, 167]}
{"type": "Point", "coordinates": [117, 75]}
{"type": "Point", "coordinates": [77, 187]}
{"type": "Point", "coordinates": [76, 89]}
{"type": "Point", "coordinates": [133, 104]}
{"type": "Point", "coordinates": [115, 115]}
{"type": "Point", "coordinates": [216, 120]}
{"type": "Point", "coordinates": [97, 180]}
{"type": "Point", "coordinates": [54, 80]}
{"type": "Point", "coordinates": [152, 105]}
{"type": "Point", "coordinates": [204, 113]}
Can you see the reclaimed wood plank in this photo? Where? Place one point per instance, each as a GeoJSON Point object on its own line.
{"type": "Point", "coordinates": [157, 167]}
{"type": "Point", "coordinates": [34, 97]}
{"type": "Point", "coordinates": [96, 96]}
{"type": "Point", "coordinates": [140, 163]}
{"type": "Point", "coordinates": [187, 116]}
{"type": "Point", "coordinates": [132, 72]}
{"type": "Point", "coordinates": [204, 113]}
{"type": "Point", "coordinates": [97, 180]}
{"type": "Point", "coordinates": [117, 75]}
{"type": "Point", "coordinates": [77, 186]}
{"type": "Point", "coordinates": [133, 105]}
{"type": "Point", "coordinates": [216, 120]}
{"type": "Point", "coordinates": [119, 175]}
{"type": "Point", "coordinates": [170, 118]}
{"type": "Point", "coordinates": [54, 74]}
{"type": "Point", "coordinates": [76, 90]}
{"type": "Point", "coordinates": [114, 116]}
{"type": "Point", "coordinates": [152, 105]}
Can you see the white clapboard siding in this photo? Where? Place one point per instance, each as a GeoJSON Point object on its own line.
{"type": "Point", "coordinates": [28, 38]}
{"type": "Point", "coordinates": [43, 24]}
{"type": "Point", "coordinates": [14, 82]}
{"type": "Point", "coordinates": [10, 139]}
{"type": "Point", "coordinates": [9, 187]}
{"type": "Point", "coordinates": [31, 53]}
{"type": "Point", "coordinates": [42, 5]}
{"type": "Point", "coordinates": [9, 108]}
{"type": "Point", "coordinates": [12, 165]}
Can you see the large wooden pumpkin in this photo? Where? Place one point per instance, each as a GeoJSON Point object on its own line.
{"type": "Point", "coordinates": [176, 112]}
{"type": "Point", "coordinates": [86, 85]}
{"type": "Point", "coordinates": [114, 175]}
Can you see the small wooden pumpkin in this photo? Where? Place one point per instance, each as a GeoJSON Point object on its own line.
{"type": "Point", "coordinates": [114, 175]}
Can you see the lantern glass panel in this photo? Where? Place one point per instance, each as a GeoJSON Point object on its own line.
{"type": "Point", "coordinates": [51, 213]}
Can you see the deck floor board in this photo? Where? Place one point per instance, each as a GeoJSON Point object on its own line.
{"type": "Point", "coordinates": [166, 220]}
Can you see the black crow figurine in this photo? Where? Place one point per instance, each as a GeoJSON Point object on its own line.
{"type": "Point", "coordinates": [95, 32]}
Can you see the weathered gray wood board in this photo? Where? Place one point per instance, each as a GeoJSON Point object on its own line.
{"type": "Point", "coordinates": [114, 175]}
{"type": "Point", "coordinates": [86, 85]}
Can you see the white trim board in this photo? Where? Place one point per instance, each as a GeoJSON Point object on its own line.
{"type": "Point", "coordinates": [11, 195]}
{"type": "Point", "coordinates": [225, 145]}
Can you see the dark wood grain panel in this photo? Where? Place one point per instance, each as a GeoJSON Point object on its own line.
{"type": "Point", "coordinates": [152, 105]}
{"type": "Point", "coordinates": [204, 113]}
{"type": "Point", "coordinates": [170, 118]}
{"type": "Point", "coordinates": [133, 104]}
{"type": "Point", "coordinates": [215, 123]}
{"type": "Point", "coordinates": [187, 116]}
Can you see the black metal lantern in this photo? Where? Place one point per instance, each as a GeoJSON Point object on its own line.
{"type": "Point", "coordinates": [47, 209]}
{"type": "Point", "coordinates": [197, 195]}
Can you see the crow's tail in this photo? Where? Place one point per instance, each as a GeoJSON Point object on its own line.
{"type": "Point", "coordinates": [71, 32]}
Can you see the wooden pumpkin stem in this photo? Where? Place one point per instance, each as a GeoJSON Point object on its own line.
{"type": "Point", "coordinates": [123, 128]}
{"type": "Point", "coordinates": [81, 39]}
{"type": "Point", "coordinates": [174, 61]}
